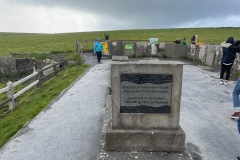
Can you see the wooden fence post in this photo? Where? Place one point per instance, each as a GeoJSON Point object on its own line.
{"type": "Point", "coordinates": [82, 53]}
{"type": "Point", "coordinates": [10, 94]}
{"type": "Point", "coordinates": [34, 68]}
{"type": "Point", "coordinates": [39, 78]}
{"type": "Point", "coordinates": [54, 69]}
{"type": "Point", "coordinates": [77, 46]}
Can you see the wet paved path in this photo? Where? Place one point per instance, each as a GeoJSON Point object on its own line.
{"type": "Point", "coordinates": [70, 128]}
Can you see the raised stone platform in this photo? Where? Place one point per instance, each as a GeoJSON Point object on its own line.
{"type": "Point", "coordinates": [139, 140]}
{"type": "Point", "coordinates": [145, 108]}
{"type": "Point", "coordinates": [142, 140]}
{"type": "Point", "coordinates": [145, 140]}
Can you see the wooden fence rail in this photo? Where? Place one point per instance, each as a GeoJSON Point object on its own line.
{"type": "Point", "coordinates": [39, 76]}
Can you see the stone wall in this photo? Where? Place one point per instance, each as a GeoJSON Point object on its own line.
{"type": "Point", "coordinates": [115, 48]}
{"type": "Point", "coordinates": [11, 65]}
{"type": "Point", "coordinates": [140, 49]}
{"type": "Point", "coordinates": [209, 55]}
{"type": "Point", "coordinates": [8, 65]}
{"type": "Point", "coordinates": [176, 51]}
{"type": "Point", "coordinates": [25, 65]}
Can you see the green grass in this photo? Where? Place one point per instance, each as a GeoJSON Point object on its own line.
{"type": "Point", "coordinates": [36, 99]}
{"type": "Point", "coordinates": [65, 42]}
{"type": "Point", "coordinates": [2, 85]}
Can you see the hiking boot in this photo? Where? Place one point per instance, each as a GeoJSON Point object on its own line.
{"type": "Point", "coordinates": [221, 82]}
{"type": "Point", "coordinates": [235, 115]}
{"type": "Point", "coordinates": [225, 82]}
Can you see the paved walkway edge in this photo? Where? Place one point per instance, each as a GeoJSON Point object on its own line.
{"type": "Point", "coordinates": [45, 108]}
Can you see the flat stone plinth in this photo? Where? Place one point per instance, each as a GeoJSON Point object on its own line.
{"type": "Point", "coordinates": [145, 108]}
{"type": "Point", "coordinates": [141, 140]}
{"type": "Point", "coordinates": [145, 140]}
{"type": "Point", "coordinates": [120, 58]}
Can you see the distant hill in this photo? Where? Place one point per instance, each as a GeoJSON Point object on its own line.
{"type": "Point", "coordinates": [65, 42]}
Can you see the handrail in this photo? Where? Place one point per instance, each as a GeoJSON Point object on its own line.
{"type": "Point", "coordinates": [25, 89]}
{"type": "Point", "coordinates": [40, 78]}
{"type": "Point", "coordinates": [4, 89]}
{"type": "Point", "coordinates": [25, 79]}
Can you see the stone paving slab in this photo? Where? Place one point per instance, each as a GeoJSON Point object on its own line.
{"type": "Point", "coordinates": [120, 58]}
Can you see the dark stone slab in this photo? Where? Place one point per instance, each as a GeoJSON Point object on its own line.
{"type": "Point", "coordinates": [145, 93]}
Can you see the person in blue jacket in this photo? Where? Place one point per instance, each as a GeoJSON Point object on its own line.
{"type": "Point", "coordinates": [98, 49]}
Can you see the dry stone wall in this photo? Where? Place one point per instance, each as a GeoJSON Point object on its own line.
{"type": "Point", "coordinates": [209, 55]}
{"type": "Point", "coordinates": [25, 65]}
{"type": "Point", "coordinates": [141, 49]}
{"type": "Point", "coordinates": [176, 51]}
{"type": "Point", "coordinates": [128, 48]}
{"type": "Point", "coordinates": [11, 65]}
{"type": "Point", "coordinates": [8, 65]}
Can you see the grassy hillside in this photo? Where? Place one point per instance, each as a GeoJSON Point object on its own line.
{"type": "Point", "coordinates": [65, 42]}
{"type": "Point", "coordinates": [29, 104]}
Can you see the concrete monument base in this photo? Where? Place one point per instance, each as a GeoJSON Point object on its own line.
{"type": "Point", "coordinates": [141, 140]}
{"type": "Point", "coordinates": [145, 140]}
{"type": "Point", "coordinates": [145, 107]}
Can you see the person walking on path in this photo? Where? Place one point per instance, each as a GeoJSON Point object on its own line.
{"type": "Point", "coordinates": [228, 56]}
{"type": "Point", "coordinates": [98, 49]}
{"type": "Point", "coordinates": [236, 91]}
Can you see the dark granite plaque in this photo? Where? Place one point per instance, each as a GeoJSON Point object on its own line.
{"type": "Point", "coordinates": [145, 93]}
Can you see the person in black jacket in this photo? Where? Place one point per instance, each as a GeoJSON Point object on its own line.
{"type": "Point", "coordinates": [193, 40]}
{"type": "Point", "coordinates": [106, 36]}
{"type": "Point", "coordinates": [177, 41]}
{"type": "Point", "coordinates": [228, 56]}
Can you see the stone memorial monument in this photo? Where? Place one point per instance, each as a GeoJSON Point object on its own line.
{"type": "Point", "coordinates": [145, 104]}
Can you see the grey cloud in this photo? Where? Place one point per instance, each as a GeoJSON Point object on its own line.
{"type": "Point", "coordinates": [145, 13]}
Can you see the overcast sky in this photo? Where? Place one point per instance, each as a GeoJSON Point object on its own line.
{"type": "Point", "coordinates": [60, 16]}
